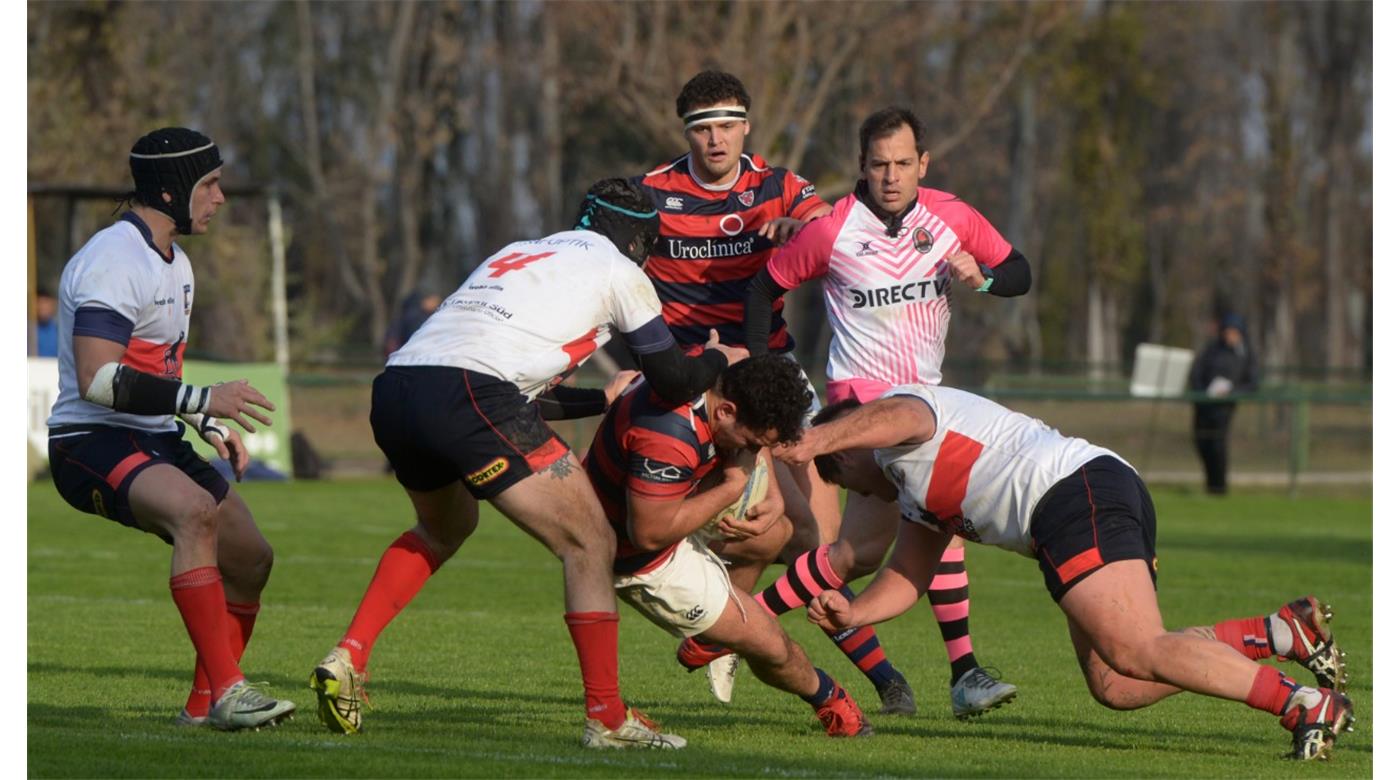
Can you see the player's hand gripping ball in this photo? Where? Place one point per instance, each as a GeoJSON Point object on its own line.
{"type": "Point", "coordinates": [755, 490]}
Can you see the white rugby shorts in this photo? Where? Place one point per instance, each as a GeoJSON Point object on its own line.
{"type": "Point", "coordinates": [685, 595]}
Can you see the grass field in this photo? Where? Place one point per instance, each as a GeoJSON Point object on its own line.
{"type": "Point", "coordinates": [477, 677]}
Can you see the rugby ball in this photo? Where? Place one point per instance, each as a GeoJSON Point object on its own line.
{"type": "Point", "coordinates": [755, 490]}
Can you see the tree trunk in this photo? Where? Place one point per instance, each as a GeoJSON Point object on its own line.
{"type": "Point", "coordinates": [1024, 323]}
{"type": "Point", "coordinates": [1095, 329]}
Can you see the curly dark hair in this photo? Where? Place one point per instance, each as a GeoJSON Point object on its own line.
{"type": "Point", "coordinates": [769, 392]}
{"type": "Point", "coordinates": [709, 87]}
{"type": "Point", "coordinates": [886, 122]}
{"type": "Point", "coordinates": [826, 463]}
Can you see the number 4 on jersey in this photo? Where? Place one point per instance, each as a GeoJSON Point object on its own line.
{"type": "Point", "coordinates": [513, 262]}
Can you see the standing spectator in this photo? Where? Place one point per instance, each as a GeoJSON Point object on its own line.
{"type": "Point", "coordinates": [45, 323]}
{"type": "Point", "coordinates": [1224, 368]}
{"type": "Point", "coordinates": [413, 313]}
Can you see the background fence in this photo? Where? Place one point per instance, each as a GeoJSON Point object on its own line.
{"type": "Point", "coordinates": [1290, 436]}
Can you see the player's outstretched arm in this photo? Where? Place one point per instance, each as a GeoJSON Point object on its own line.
{"type": "Point", "coordinates": [232, 400]}
{"type": "Point", "coordinates": [571, 403]}
{"type": "Point", "coordinates": [887, 422]}
{"type": "Point", "coordinates": [103, 380]}
{"type": "Point", "coordinates": [899, 585]}
{"type": "Point", "coordinates": [678, 378]}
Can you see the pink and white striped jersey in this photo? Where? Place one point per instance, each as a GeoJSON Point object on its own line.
{"type": "Point", "coordinates": [886, 298]}
{"type": "Point", "coordinates": [984, 470]}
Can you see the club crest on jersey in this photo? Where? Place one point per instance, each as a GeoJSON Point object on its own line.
{"type": "Point", "coordinates": [173, 359]}
{"type": "Point", "coordinates": [746, 198]}
{"type": "Point", "coordinates": [923, 240]}
{"type": "Point", "coordinates": [492, 470]}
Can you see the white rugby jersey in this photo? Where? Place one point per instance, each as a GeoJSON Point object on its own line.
{"type": "Point", "coordinates": [886, 298]}
{"type": "Point", "coordinates": [984, 470]}
{"type": "Point", "coordinates": [534, 311]}
{"type": "Point", "coordinates": [119, 287]}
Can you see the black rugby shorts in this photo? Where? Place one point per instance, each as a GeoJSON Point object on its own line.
{"type": "Point", "coordinates": [1099, 514]}
{"type": "Point", "coordinates": [438, 424]}
{"type": "Point", "coordinates": [93, 467]}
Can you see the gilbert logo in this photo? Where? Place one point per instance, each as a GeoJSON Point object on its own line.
{"type": "Point", "coordinates": [493, 469]}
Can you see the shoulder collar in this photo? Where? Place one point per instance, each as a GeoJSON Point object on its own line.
{"type": "Point", "coordinates": [130, 216]}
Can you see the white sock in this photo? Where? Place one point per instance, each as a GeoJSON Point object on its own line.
{"type": "Point", "coordinates": [1280, 635]}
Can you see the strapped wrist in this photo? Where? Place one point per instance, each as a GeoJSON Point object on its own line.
{"type": "Point", "coordinates": [192, 399]}
{"type": "Point", "coordinates": [205, 426]}
{"type": "Point", "coordinates": [124, 389]}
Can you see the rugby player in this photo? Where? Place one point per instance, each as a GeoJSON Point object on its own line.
{"type": "Point", "coordinates": [887, 256]}
{"type": "Point", "coordinates": [460, 413]}
{"type": "Point", "coordinates": [115, 447]}
{"type": "Point", "coordinates": [722, 214]}
{"type": "Point", "coordinates": [960, 464]}
{"type": "Point", "coordinates": [654, 464]}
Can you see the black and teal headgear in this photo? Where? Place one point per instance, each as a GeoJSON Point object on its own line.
{"type": "Point", "coordinates": [619, 209]}
{"type": "Point", "coordinates": [172, 160]}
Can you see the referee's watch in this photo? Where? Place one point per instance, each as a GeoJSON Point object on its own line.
{"type": "Point", "coordinates": [986, 285]}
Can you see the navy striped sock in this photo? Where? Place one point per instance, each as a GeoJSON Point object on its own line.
{"type": "Point", "coordinates": [862, 646]}
{"type": "Point", "coordinates": [825, 687]}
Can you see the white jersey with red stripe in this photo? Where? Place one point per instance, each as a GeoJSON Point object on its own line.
{"type": "Point", "coordinates": [120, 271]}
{"type": "Point", "coordinates": [984, 470]}
{"type": "Point", "coordinates": [886, 298]}
{"type": "Point", "coordinates": [534, 311]}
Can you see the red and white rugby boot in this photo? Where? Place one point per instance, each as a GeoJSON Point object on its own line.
{"type": "Point", "coordinates": [1316, 717]}
{"type": "Point", "coordinates": [1313, 645]}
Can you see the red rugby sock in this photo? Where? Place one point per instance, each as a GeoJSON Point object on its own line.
{"type": "Point", "coordinates": [1271, 690]}
{"type": "Point", "coordinates": [241, 618]}
{"type": "Point", "coordinates": [403, 569]}
{"type": "Point", "coordinates": [595, 641]}
{"type": "Point", "coordinates": [199, 595]}
{"type": "Point", "coordinates": [1250, 636]}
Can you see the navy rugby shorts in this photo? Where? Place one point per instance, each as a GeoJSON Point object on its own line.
{"type": "Point", "coordinates": [93, 467]}
{"type": "Point", "coordinates": [1099, 514]}
{"type": "Point", "coordinates": [438, 425]}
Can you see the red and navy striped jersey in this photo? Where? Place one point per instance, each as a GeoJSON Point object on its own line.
{"type": "Point", "coordinates": [709, 246]}
{"type": "Point", "coordinates": [654, 449]}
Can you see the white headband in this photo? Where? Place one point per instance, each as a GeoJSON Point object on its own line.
{"type": "Point", "coordinates": [721, 114]}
